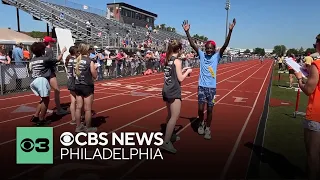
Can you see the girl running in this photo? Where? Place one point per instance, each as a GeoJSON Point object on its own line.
{"type": "Point", "coordinates": [207, 80]}
{"type": "Point", "coordinates": [171, 92]}
{"type": "Point", "coordinates": [70, 63]}
{"type": "Point", "coordinates": [86, 71]}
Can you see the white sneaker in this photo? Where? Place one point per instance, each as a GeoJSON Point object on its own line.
{"type": "Point", "coordinates": [201, 128]}
{"type": "Point", "coordinates": [73, 122]}
{"type": "Point", "coordinates": [168, 147]}
{"type": "Point", "coordinates": [81, 128]}
{"type": "Point", "coordinates": [207, 133]}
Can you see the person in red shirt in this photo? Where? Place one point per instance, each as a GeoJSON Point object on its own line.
{"type": "Point", "coordinates": [162, 60]}
{"type": "Point", "coordinates": [120, 57]}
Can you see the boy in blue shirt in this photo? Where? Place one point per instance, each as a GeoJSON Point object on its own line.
{"type": "Point", "coordinates": [207, 79]}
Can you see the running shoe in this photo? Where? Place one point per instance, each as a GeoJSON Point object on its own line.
{"type": "Point", "coordinates": [168, 146]}
{"type": "Point", "coordinates": [207, 133]}
{"type": "Point", "coordinates": [73, 122]}
{"type": "Point", "coordinates": [201, 128]}
{"type": "Point", "coordinates": [81, 128]}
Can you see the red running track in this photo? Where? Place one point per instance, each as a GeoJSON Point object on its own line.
{"type": "Point", "coordinates": [135, 104]}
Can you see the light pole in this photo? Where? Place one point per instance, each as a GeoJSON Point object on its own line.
{"type": "Point", "coordinates": [227, 8]}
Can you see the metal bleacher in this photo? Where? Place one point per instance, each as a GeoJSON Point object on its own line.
{"type": "Point", "coordinates": [70, 15]}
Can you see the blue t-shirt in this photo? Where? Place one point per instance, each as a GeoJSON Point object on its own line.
{"type": "Point", "coordinates": [206, 78]}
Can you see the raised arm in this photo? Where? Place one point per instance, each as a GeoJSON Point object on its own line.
{"type": "Point", "coordinates": [226, 43]}
{"type": "Point", "coordinates": [186, 27]}
{"type": "Point", "coordinates": [61, 54]}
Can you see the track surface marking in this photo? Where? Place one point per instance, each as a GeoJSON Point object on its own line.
{"type": "Point", "coordinates": [135, 104]}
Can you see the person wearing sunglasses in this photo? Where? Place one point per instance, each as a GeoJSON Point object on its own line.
{"type": "Point", "coordinates": [311, 87]}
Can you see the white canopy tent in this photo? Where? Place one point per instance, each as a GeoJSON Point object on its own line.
{"type": "Point", "coordinates": [9, 36]}
{"type": "Point", "coordinates": [315, 55]}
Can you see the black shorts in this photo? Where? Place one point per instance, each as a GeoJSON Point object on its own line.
{"type": "Point", "coordinates": [291, 71]}
{"type": "Point", "coordinates": [84, 90]}
{"type": "Point", "coordinates": [170, 100]}
{"type": "Point", "coordinates": [53, 75]}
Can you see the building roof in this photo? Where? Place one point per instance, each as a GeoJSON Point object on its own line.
{"type": "Point", "coordinates": [9, 36]}
{"type": "Point", "coordinates": [134, 8]}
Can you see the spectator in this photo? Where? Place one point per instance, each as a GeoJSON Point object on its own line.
{"type": "Point", "coordinates": [280, 61]}
{"type": "Point", "coordinates": [120, 58]}
{"type": "Point", "coordinates": [291, 72]}
{"type": "Point", "coordinates": [17, 56]}
{"type": "Point", "coordinates": [26, 54]}
{"type": "Point", "coordinates": [308, 60]}
{"type": "Point", "coordinates": [4, 58]}
{"type": "Point", "coordinates": [88, 26]}
{"type": "Point", "coordinates": [312, 120]}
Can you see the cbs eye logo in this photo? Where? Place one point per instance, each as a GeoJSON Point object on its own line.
{"type": "Point", "coordinates": [39, 145]}
{"type": "Point", "coordinates": [66, 139]}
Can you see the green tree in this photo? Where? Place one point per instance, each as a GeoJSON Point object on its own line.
{"type": "Point", "coordinates": [173, 29]}
{"type": "Point", "coordinates": [203, 38]}
{"type": "Point", "coordinates": [247, 51]}
{"type": "Point", "coordinates": [163, 26]}
{"type": "Point", "coordinates": [301, 51]}
{"type": "Point", "coordinates": [196, 36]}
{"type": "Point", "coordinates": [292, 51]}
{"type": "Point", "coordinates": [37, 34]}
{"type": "Point", "coordinates": [259, 51]}
{"type": "Point", "coordinates": [310, 50]}
{"type": "Point", "coordinates": [279, 50]}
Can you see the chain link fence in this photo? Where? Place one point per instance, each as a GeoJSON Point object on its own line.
{"type": "Point", "coordinates": [16, 77]}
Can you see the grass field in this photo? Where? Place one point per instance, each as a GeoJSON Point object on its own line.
{"type": "Point", "coordinates": [284, 134]}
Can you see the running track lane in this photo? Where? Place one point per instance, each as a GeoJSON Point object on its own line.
{"type": "Point", "coordinates": [63, 88]}
{"type": "Point", "coordinates": [113, 91]}
{"type": "Point", "coordinates": [29, 98]}
{"type": "Point", "coordinates": [160, 102]}
{"type": "Point", "coordinates": [199, 158]}
{"type": "Point", "coordinates": [116, 173]}
{"type": "Point", "coordinates": [110, 92]}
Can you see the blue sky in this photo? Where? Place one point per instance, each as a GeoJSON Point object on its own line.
{"type": "Point", "coordinates": [260, 23]}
